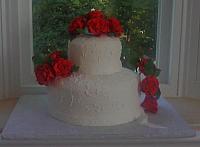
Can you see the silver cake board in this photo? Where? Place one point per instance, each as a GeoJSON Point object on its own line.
{"type": "Point", "coordinates": [30, 120]}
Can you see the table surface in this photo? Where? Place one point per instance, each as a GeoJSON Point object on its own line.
{"type": "Point", "coordinates": [193, 141]}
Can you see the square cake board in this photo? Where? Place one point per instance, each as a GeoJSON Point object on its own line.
{"type": "Point", "coordinates": [30, 120]}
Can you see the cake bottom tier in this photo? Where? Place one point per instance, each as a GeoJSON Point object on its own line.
{"type": "Point", "coordinates": [96, 100]}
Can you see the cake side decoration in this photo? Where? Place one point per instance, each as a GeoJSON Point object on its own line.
{"type": "Point", "coordinates": [48, 67]}
{"type": "Point", "coordinates": [149, 85]}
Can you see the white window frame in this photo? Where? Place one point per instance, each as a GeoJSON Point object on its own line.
{"type": "Point", "coordinates": [1, 57]}
{"type": "Point", "coordinates": [189, 53]}
{"type": "Point", "coordinates": [10, 49]}
{"type": "Point", "coordinates": [28, 83]}
{"type": "Point", "coordinates": [171, 88]}
{"type": "Point", "coordinates": [17, 45]}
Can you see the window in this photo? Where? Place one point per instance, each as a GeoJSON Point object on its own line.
{"type": "Point", "coordinates": [138, 17]}
{"type": "Point", "coordinates": [164, 31]}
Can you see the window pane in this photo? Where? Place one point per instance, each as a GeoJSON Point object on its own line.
{"type": "Point", "coordinates": [139, 18]}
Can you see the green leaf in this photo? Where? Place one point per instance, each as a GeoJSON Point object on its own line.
{"type": "Point", "coordinates": [64, 55]}
{"type": "Point", "coordinates": [85, 30]}
{"type": "Point", "coordinates": [76, 2]}
{"type": "Point", "coordinates": [157, 72]}
{"type": "Point", "coordinates": [149, 68]}
{"type": "Point", "coordinates": [158, 93]}
{"type": "Point", "coordinates": [39, 59]}
{"type": "Point", "coordinates": [49, 60]}
{"type": "Point", "coordinates": [75, 68]}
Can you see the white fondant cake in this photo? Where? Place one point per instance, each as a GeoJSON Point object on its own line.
{"type": "Point", "coordinates": [102, 93]}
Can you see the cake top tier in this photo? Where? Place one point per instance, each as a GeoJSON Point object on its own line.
{"type": "Point", "coordinates": [96, 55]}
{"type": "Point", "coordinates": [95, 47]}
{"type": "Point", "coordinates": [95, 23]}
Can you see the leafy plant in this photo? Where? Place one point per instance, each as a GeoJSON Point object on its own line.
{"type": "Point", "coordinates": [52, 17]}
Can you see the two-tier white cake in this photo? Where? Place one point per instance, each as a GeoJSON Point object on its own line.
{"type": "Point", "coordinates": [102, 93]}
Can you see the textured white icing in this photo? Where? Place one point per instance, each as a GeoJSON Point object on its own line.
{"type": "Point", "coordinates": [102, 93]}
{"type": "Point", "coordinates": [96, 100]}
{"type": "Point", "coordinates": [96, 55]}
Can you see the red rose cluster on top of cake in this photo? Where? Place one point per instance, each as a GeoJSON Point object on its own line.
{"type": "Point", "coordinates": [95, 23]}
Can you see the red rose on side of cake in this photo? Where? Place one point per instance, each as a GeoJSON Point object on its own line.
{"type": "Point", "coordinates": [141, 64]}
{"type": "Point", "coordinates": [77, 24]}
{"type": "Point", "coordinates": [55, 55]}
{"type": "Point", "coordinates": [115, 26]}
{"type": "Point", "coordinates": [150, 85]}
{"type": "Point", "coordinates": [98, 26]}
{"type": "Point", "coordinates": [44, 74]}
{"type": "Point", "coordinates": [62, 67]}
{"type": "Point", "coordinates": [150, 104]}
{"type": "Point", "coordinates": [95, 14]}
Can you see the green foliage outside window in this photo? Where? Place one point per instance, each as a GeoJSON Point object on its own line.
{"type": "Point", "coordinates": [138, 17]}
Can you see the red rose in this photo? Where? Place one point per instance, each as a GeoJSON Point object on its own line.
{"type": "Point", "coordinates": [54, 55]}
{"type": "Point", "coordinates": [98, 26]}
{"type": "Point", "coordinates": [150, 104]}
{"type": "Point", "coordinates": [44, 74]}
{"type": "Point", "coordinates": [141, 64]}
{"type": "Point", "coordinates": [95, 14]}
{"type": "Point", "coordinates": [115, 26]}
{"type": "Point", "coordinates": [150, 85]}
{"type": "Point", "coordinates": [62, 67]}
{"type": "Point", "coordinates": [76, 24]}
